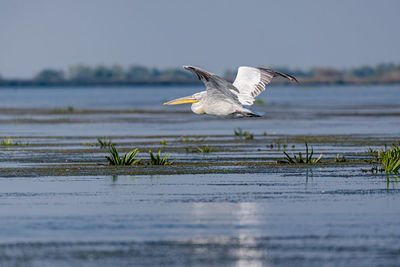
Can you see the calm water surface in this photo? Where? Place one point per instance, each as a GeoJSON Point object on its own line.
{"type": "Point", "coordinates": [333, 216]}
{"type": "Point", "coordinates": [152, 97]}
{"type": "Point", "coordinates": [287, 110]}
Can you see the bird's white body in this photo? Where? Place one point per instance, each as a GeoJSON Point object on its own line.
{"type": "Point", "coordinates": [221, 107]}
{"type": "Point", "coordinates": [222, 98]}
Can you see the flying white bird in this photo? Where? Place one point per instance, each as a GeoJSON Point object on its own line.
{"type": "Point", "coordinates": [223, 98]}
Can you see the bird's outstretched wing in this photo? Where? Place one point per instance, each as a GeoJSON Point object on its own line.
{"type": "Point", "coordinates": [217, 88]}
{"type": "Point", "coordinates": [252, 81]}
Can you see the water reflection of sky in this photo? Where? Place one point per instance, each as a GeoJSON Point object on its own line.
{"type": "Point", "coordinates": [151, 97]}
{"type": "Point", "coordinates": [288, 110]}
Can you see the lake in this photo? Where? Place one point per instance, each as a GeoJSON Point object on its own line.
{"type": "Point", "coordinates": [61, 204]}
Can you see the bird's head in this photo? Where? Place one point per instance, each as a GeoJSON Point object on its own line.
{"type": "Point", "coordinates": [196, 100]}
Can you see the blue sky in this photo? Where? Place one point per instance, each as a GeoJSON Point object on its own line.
{"type": "Point", "coordinates": [216, 35]}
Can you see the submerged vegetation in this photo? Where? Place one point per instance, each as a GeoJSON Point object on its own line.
{"type": "Point", "coordinates": [158, 159]}
{"type": "Point", "coordinates": [127, 160]}
{"type": "Point", "coordinates": [256, 156]}
{"type": "Point", "coordinates": [308, 159]}
{"type": "Point", "coordinates": [205, 149]}
{"type": "Point", "coordinates": [241, 134]}
{"type": "Point", "coordinates": [193, 140]}
{"type": "Point", "coordinates": [9, 142]}
{"type": "Point", "coordinates": [339, 159]}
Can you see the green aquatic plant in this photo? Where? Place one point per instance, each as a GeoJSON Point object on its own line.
{"type": "Point", "coordinates": [390, 158]}
{"type": "Point", "coordinates": [339, 159]}
{"type": "Point", "coordinates": [9, 142]}
{"type": "Point", "coordinates": [279, 145]}
{"type": "Point", "coordinates": [126, 160]}
{"type": "Point", "coordinates": [187, 140]}
{"type": "Point", "coordinates": [105, 142]}
{"type": "Point", "coordinates": [238, 132]}
{"type": "Point", "coordinates": [163, 142]}
{"type": "Point", "coordinates": [308, 159]}
{"type": "Point", "coordinates": [158, 160]}
{"type": "Point", "coordinates": [205, 149]}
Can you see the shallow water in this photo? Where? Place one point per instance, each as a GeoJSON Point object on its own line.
{"type": "Point", "coordinates": [297, 217]}
{"type": "Point", "coordinates": [61, 205]}
{"type": "Point", "coordinates": [287, 110]}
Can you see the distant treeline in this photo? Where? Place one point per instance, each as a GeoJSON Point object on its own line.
{"type": "Point", "coordinates": [117, 75]}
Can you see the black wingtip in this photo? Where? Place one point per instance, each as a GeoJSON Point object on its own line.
{"type": "Point", "coordinates": [284, 75]}
{"type": "Point", "coordinates": [292, 78]}
{"type": "Point", "coordinates": [201, 74]}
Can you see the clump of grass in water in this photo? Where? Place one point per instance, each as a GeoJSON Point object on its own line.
{"type": "Point", "coordinates": [127, 160]}
{"type": "Point", "coordinates": [205, 149]}
{"type": "Point", "coordinates": [389, 158]}
{"type": "Point", "coordinates": [105, 142]}
{"type": "Point", "coordinates": [306, 160]}
{"type": "Point", "coordinates": [9, 142]}
{"type": "Point", "coordinates": [339, 159]}
{"type": "Point", "coordinates": [157, 160]}
{"type": "Point", "coordinates": [243, 134]}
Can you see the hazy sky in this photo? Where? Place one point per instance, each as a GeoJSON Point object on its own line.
{"type": "Point", "coordinates": [216, 35]}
